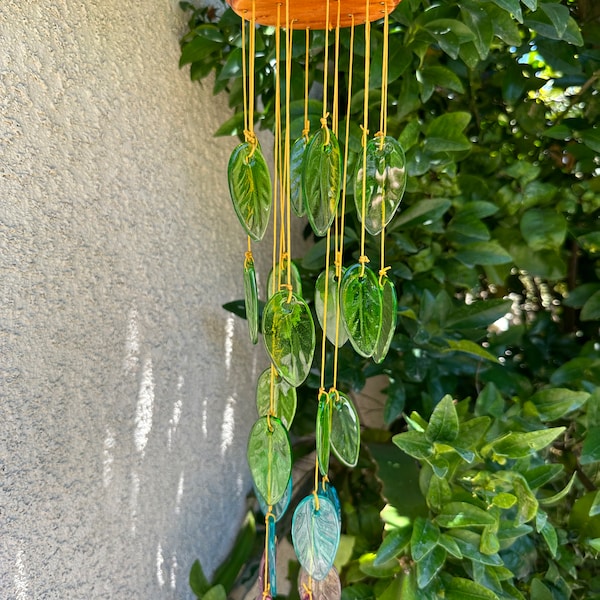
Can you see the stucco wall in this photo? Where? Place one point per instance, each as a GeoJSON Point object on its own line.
{"type": "Point", "coordinates": [126, 391]}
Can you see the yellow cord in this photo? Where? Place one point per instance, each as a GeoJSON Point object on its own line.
{"type": "Point", "coordinates": [306, 129]}
{"type": "Point", "coordinates": [365, 129]}
{"type": "Point", "coordinates": [325, 303]}
{"type": "Point", "coordinates": [266, 583]}
{"type": "Point", "coordinates": [249, 131]}
{"type": "Point", "coordinates": [287, 169]}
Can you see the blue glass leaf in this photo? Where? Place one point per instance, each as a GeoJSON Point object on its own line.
{"type": "Point", "coordinates": [251, 300]}
{"type": "Point", "coordinates": [272, 554]}
{"type": "Point", "coordinates": [329, 588]}
{"type": "Point", "coordinates": [278, 509]}
{"type": "Point", "coordinates": [316, 536]}
{"type": "Point", "coordinates": [270, 458]}
{"type": "Point", "coordinates": [326, 490]}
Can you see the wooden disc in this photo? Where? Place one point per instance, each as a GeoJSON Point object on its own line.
{"type": "Point", "coordinates": [313, 13]}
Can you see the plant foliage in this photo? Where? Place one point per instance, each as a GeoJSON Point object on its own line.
{"type": "Point", "coordinates": [494, 255]}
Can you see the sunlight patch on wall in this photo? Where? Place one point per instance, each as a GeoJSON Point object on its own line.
{"type": "Point", "coordinates": [229, 332]}
{"type": "Point", "coordinates": [228, 426]}
{"type": "Point", "coordinates": [132, 343]}
{"type": "Point", "coordinates": [145, 407]}
{"type": "Point", "coordinates": [179, 495]}
{"type": "Point", "coordinates": [160, 561]}
{"type": "Point", "coordinates": [108, 458]}
{"type": "Point", "coordinates": [20, 577]}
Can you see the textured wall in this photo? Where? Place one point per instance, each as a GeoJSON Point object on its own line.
{"type": "Point", "coordinates": [125, 389]}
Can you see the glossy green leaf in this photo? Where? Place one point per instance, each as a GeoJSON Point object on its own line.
{"type": "Point", "coordinates": [478, 314]}
{"type": "Point", "coordinates": [316, 536]}
{"type": "Point", "coordinates": [590, 453]}
{"type": "Point", "coordinates": [425, 211]}
{"type": "Point", "coordinates": [554, 403]}
{"type": "Point", "coordinates": [251, 300]}
{"type": "Point", "coordinates": [443, 424]}
{"type": "Point", "coordinates": [270, 458]}
{"type": "Point", "coordinates": [519, 445]}
{"type": "Point", "coordinates": [250, 189]}
{"type": "Point", "coordinates": [323, 433]}
{"type": "Point", "coordinates": [483, 253]}
{"type": "Point", "coordinates": [527, 503]}
{"type": "Point", "coordinates": [430, 565]}
{"type": "Point", "coordinates": [332, 329]}
{"type": "Point", "coordinates": [384, 176]}
{"type": "Point", "coordinates": [463, 514]}
{"type": "Point", "coordinates": [284, 397]}
{"type": "Point", "coordinates": [345, 429]}
{"type": "Point", "coordinates": [330, 588]}
{"type": "Point", "coordinates": [489, 540]}
{"type": "Point", "coordinates": [361, 308]}
{"type": "Point", "coordinates": [469, 542]}
{"type": "Point", "coordinates": [591, 308]}
{"type": "Point", "coordinates": [414, 443]}
{"type": "Point", "coordinates": [465, 589]}
{"type": "Point", "coordinates": [542, 474]}
{"type": "Point", "coordinates": [504, 500]}
{"type": "Point", "coordinates": [279, 277]}
{"type": "Point", "coordinates": [198, 581]}
{"type": "Point", "coordinates": [215, 593]}
{"type": "Point", "coordinates": [321, 180]}
{"type": "Point", "coordinates": [469, 347]}
{"type": "Point", "coordinates": [549, 534]}
{"type": "Point", "coordinates": [393, 544]}
{"type": "Point", "coordinates": [424, 538]}
{"type": "Point", "coordinates": [438, 492]}
{"type": "Point", "coordinates": [289, 336]}
{"type": "Point", "coordinates": [450, 545]}
{"type": "Point", "coordinates": [389, 318]}
{"type": "Point", "coordinates": [445, 133]}
{"type": "Point", "coordinates": [296, 165]}
{"type": "Point", "coordinates": [543, 228]}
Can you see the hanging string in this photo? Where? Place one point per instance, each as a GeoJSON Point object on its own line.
{"type": "Point", "coordinates": [335, 110]}
{"type": "Point", "coordinates": [267, 584]}
{"type": "Point", "coordinates": [365, 133]}
{"type": "Point", "coordinates": [340, 251]}
{"type": "Point", "coordinates": [288, 193]}
{"type": "Point", "coordinates": [306, 129]}
{"type": "Point", "coordinates": [249, 134]}
{"type": "Point", "coordinates": [325, 76]}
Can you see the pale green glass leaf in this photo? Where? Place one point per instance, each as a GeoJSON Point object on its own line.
{"type": "Point", "coordinates": [443, 424]}
{"type": "Point", "coordinates": [345, 429]}
{"type": "Point", "coordinates": [321, 180]}
{"type": "Point", "coordinates": [250, 189]}
{"type": "Point", "coordinates": [251, 300]}
{"type": "Point", "coordinates": [289, 336]}
{"type": "Point", "coordinates": [463, 514]}
{"type": "Point", "coordinates": [278, 277]}
{"type": "Point", "coordinates": [278, 509]}
{"type": "Point", "coordinates": [333, 295]}
{"type": "Point", "coordinates": [316, 536]}
{"type": "Point", "coordinates": [284, 397]}
{"type": "Point", "coordinates": [296, 164]}
{"type": "Point", "coordinates": [389, 316]}
{"type": "Point", "coordinates": [429, 567]}
{"type": "Point", "coordinates": [323, 434]}
{"type": "Point", "coordinates": [386, 177]}
{"type": "Point", "coordinates": [270, 458]}
{"type": "Point", "coordinates": [361, 308]}
{"type": "Point", "coordinates": [329, 588]}
{"type": "Point", "coordinates": [424, 538]}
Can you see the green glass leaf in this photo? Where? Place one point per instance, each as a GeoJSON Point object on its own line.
{"type": "Point", "coordinates": [345, 429]}
{"type": "Point", "coordinates": [296, 165]}
{"type": "Point", "coordinates": [323, 434]}
{"type": "Point", "coordinates": [251, 300]}
{"type": "Point", "coordinates": [389, 317]}
{"type": "Point", "coordinates": [386, 177]}
{"type": "Point", "coordinates": [250, 189]}
{"type": "Point", "coordinates": [333, 294]}
{"type": "Point", "coordinates": [278, 509]}
{"type": "Point", "coordinates": [443, 424]}
{"type": "Point", "coordinates": [270, 458]}
{"type": "Point", "coordinates": [361, 308]}
{"type": "Point", "coordinates": [316, 535]}
{"type": "Point", "coordinates": [289, 336]}
{"type": "Point", "coordinates": [329, 588]}
{"type": "Point", "coordinates": [284, 397]}
{"type": "Point", "coordinates": [321, 180]}
{"type": "Point", "coordinates": [279, 276]}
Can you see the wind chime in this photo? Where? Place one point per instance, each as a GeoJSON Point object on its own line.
{"type": "Point", "coordinates": [353, 303]}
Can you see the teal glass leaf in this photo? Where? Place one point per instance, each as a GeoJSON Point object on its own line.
{"type": "Point", "coordinates": [389, 315]}
{"type": "Point", "coordinates": [323, 433]}
{"type": "Point", "coordinates": [316, 536]}
{"type": "Point", "coordinates": [386, 176]}
{"type": "Point", "coordinates": [270, 458]}
{"type": "Point", "coordinates": [333, 294]}
{"type": "Point", "coordinates": [279, 276]}
{"type": "Point", "coordinates": [361, 308]}
{"type": "Point", "coordinates": [272, 555]}
{"type": "Point", "coordinates": [345, 429]}
{"type": "Point", "coordinates": [284, 397]}
{"type": "Point", "coordinates": [321, 180]}
{"type": "Point", "coordinates": [328, 491]}
{"type": "Point", "coordinates": [250, 189]}
{"type": "Point", "coordinates": [329, 588]}
{"type": "Point", "coordinates": [251, 300]}
{"type": "Point", "coordinates": [280, 507]}
{"type": "Point", "coordinates": [296, 164]}
{"type": "Point", "coordinates": [289, 336]}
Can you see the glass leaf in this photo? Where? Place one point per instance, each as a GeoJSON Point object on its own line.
{"type": "Point", "coordinates": [250, 189]}
{"type": "Point", "coordinates": [316, 536]}
{"type": "Point", "coordinates": [333, 294]}
{"type": "Point", "coordinates": [289, 336]}
{"type": "Point", "coordinates": [360, 299]}
{"type": "Point", "coordinates": [251, 300]}
{"type": "Point", "coordinates": [329, 588]}
{"type": "Point", "coordinates": [323, 434]}
{"type": "Point", "coordinates": [321, 180]}
{"type": "Point", "coordinates": [284, 397]}
{"type": "Point", "coordinates": [345, 429]}
{"type": "Point", "coordinates": [385, 183]}
{"type": "Point", "coordinates": [280, 507]}
{"type": "Point", "coordinates": [270, 458]}
{"type": "Point", "coordinates": [280, 276]}
{"type": "Point", "coordinates": [272, 555]}
{"type": "Point", "coordinates": [328, 491]}
{"type": "Point", "coordinates": [389, 315]}
{"type": "Point", "coordinates": [296, 164]}
{"type": "Point", "coordinates": [261, 581]}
